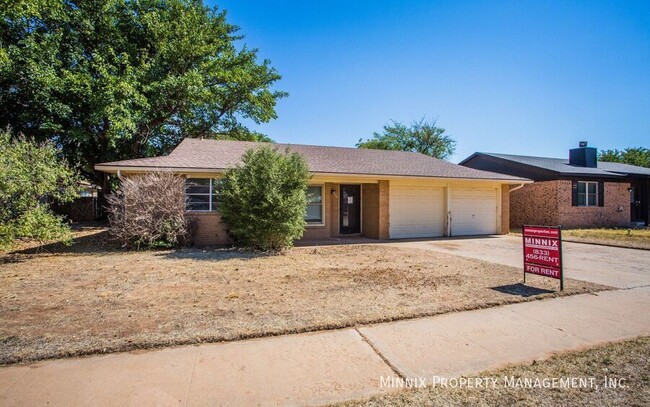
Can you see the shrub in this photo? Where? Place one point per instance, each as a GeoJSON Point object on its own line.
{"type": "Point", "coordinates": [32, 175]}
{"type": "Point", "coordinates": [264, 200]}
{"type": "Point", "coordinates": [148, 210]}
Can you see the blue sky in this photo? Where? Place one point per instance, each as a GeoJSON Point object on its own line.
{"type": "Point", "coordinates": [522, 77]}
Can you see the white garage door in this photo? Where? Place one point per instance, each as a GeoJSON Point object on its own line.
{"type": "Point", "coordinates": [416, 211]}
{"type": "Point", "coordinates": [473, 211]}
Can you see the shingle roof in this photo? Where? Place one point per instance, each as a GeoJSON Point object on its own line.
{"type": "Point", "coordinates": [562, 166]}
{"type": "Point", "coordinates": [216, 155]}
{"type": "Point", "coordinates": [624, 168]}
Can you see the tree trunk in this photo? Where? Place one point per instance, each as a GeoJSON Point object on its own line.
{"type": "Point", "coordinates": [101, 194]}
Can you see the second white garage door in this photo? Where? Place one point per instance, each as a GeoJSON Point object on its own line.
{"type": "Point", "coordinates": [416, 211]}
{"type": "Point", "coordinates": [474, 211]}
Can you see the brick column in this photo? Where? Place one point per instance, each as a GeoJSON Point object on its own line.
{"type": "Point", "coordinates": [384, 216]}
{"type": "Point", "coordinates": [505, 209]}
{"type": "Point", "coordinates": [333, 208]}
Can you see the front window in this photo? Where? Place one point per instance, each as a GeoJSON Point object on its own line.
{"type": "Point", "coordinates": [201, 194]}
{"type": "Point", "coordinates": [587, 193]}
{"type": "Point", "coordinates": [314, 212]}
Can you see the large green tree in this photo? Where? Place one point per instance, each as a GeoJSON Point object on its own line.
{"type": "Point", "coordinates": [421, 136]}
{"type": "Point", "coordinates": [639, 156]}
{"type": "Point", "coordinates": [116, 79]}
{"type": "Point", "coordinates": [32, 175]}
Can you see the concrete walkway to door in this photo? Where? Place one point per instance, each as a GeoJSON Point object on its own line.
{"type": "Point", "coordinates": [614, 266]}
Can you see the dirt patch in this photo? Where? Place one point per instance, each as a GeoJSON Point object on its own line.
{"type": "Point", "coordinates": [448, 245]}
{"type": "Point", "coordinates": [93, 298]}
{"type": "Point", "coordinates": [627, 360]}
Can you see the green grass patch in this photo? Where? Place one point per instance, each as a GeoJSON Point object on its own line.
{"type": "Point", "coordinates": [636, 238]}
{"type": "Point", "coordinates": [618, 234]}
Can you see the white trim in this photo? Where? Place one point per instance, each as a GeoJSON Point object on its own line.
{"type": "Point", "coordinates": [203, 175]}
{"type": "Point", "coordinates": [322, 207]}
{"type": "Point", "coordinates": [587, 193]}
{"type": "Point", "coordinates": [375, 177]}
{"type": "Point", "coordinates": [338, 209]}
{"type": "Point", "coordinates": [498, 209]}
{"type": "Point", "coordinates": [450, 208]}
{"type": "Point", "coordinates": [210, 196]}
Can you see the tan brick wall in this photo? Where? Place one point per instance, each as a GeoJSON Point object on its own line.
{"type": "Point", "coordinates": [375, 214]}
{"type": "Point", "coordinates": [505, 209]}
{"type": "Point", "coordinates": [384, 215]}
{"type": "Point", "coordinates": [534, 204]}
{"type": "Point", "coordinates": [210, 230]}
{"type": "Point", "coordinates": [615, 212]}
{"type": "Point", "coordinates": [370, 210]}
{"type": "Point", "coordinates": [374, 201]}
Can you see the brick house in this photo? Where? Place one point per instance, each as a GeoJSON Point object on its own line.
{"type": "Point", "coordinates": [353, 192]}
{"type": "Point", "coordinates": [575, 192]}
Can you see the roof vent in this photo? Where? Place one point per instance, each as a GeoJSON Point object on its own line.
{"type": "Point", "coordinates": [583, 156]}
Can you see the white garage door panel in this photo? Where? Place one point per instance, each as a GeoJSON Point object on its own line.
{"type": "Point", "coordinates": [474, 211]}
{"type": "Point", "coordinates": [416, 212]}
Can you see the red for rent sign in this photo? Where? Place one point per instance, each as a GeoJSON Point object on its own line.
{"type": "Point", "coordinates": [543, 251]}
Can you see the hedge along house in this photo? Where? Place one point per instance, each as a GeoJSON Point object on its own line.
{"type": "Point", "coordinates": [576, 192]}
{"type": "Point", "coordinates": [353, 192]}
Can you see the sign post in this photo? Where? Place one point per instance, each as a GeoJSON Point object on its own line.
{"type": "Point", "coordinates": [543, 251]}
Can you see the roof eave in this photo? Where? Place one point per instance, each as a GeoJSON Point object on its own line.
{"type": "Point", "coordinates": [604, 174]}
{"type": "Point", "coordinates": [399, 176]}
{"type": "Point", "coordinates": [114, 169]}
{"type": "Point", "coordinates": [476, 154]}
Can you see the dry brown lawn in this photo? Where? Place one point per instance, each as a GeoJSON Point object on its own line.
{"type": "Point", "coordinates": [95, 298]}
{"type": "Point", "coordinates": [627, 360]}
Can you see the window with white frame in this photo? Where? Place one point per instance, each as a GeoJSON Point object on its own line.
{"type": "Point", "coordinates": [202, 194]}
{"type": "Point", "coordinates": [587, 193]}
{"type": "Point", "coordinates": [314, 214]}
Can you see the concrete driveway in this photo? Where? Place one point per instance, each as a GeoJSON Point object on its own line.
{"type": "Point", "coordinates": [613, 266]}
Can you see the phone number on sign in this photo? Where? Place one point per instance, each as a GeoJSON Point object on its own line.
{"type": "Point", "coordinates": [543, 257]}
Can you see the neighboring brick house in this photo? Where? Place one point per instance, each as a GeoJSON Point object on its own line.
{"type": "Point", "coordinates": [576, 192]}
{"type": "Point", "coordinates": [353, 192]}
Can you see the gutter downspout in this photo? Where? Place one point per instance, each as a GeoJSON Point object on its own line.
{"type": "Point", "coordinates": [510, 190]}
{"type": "Point", "coordinates": [516, 188]}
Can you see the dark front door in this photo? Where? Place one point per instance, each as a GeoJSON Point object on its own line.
{"type": "Point", "coordinates": [639, 194]}
{"type": "Point", "coordinates": [350, 209]}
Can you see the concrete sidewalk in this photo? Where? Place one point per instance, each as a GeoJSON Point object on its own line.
{"type": "Point", "coordinates": [325, 367]}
